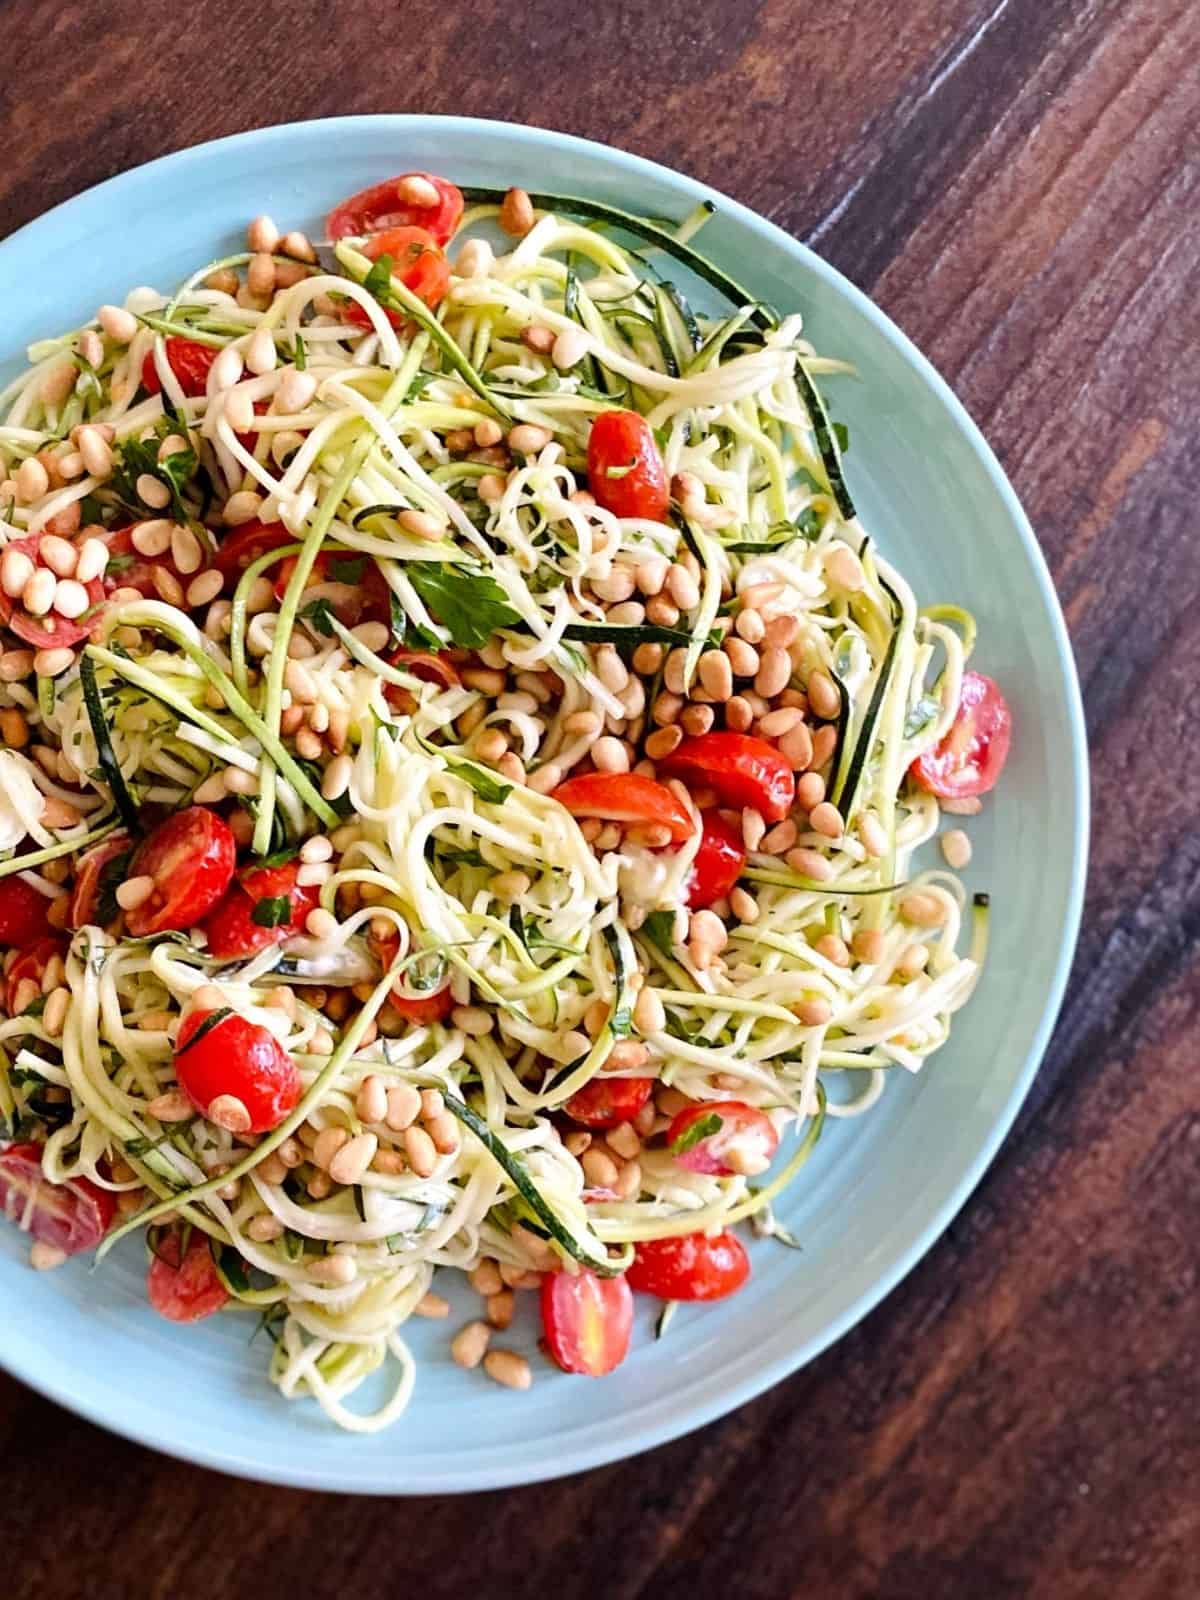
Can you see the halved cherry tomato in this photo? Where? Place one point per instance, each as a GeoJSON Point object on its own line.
{"type": "Point", "coordinates": [129, 569]}
{"type": "Point", "coordinates": [352, 584]}
{"type": "Point", "coordinates": [188, 360]}
{"type": "Point", "coordinates": [694, 1267]}
{"type": "Point", "coordinates": [724, 1137]}
{"type": "Point", "coordinates": [84, 904]}
{"type": "Point", "coordinates": [185, 1290]}
{"type": "Point", "coordinates": [969, 759]}
{"type": "Point", "coordinates": [625, 467]}
{"type": "Point", "coordinates": [718, 864]}
{"type": "Point", "coordinates": [50, 631]}
{"type": "Point", "coordinates": [419, 1009]}
{"type": "Point", "coordinates": [71, 1217]}
{"type": "Point", "coordinates": [743, 770]}
{"type": "Point", "coordinates": [231, 928]}
{"type": "Point", "coordinates": [422, 664]}
{"type": "Point", "coordinates": [31, 963]}
{"type": "Point", "coordinates": [22, 912]}
{"type": "Point", "coordinates": [380, 206]}
{"type": "Point", "coordinates": [416, 261]}
{"type": "Point", "coordinates": [625, 797]}
{"type": "Point", "coordinates": [607, 1102]}
{"type": "Point", "coordinates": [587, 1321]}
{"type": "Point", "coordinates": [236, 1057]}
{"type": "Point", "coordinates": [191, 857]}
{"type": "Point", "coordinates": [244, 545]}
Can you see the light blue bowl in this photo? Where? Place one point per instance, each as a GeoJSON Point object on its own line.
{"type": "Point", "coordinates": [880, 1190]}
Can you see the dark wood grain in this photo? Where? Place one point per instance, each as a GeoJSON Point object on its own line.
{"type": "Point", "coordinates": [1015, 180]}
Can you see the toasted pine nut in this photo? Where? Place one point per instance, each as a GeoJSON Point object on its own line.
{"type": "Point", "coordinates": [469, 1344]}
{"type": "Point", "coordinates": [516, 213]}
{"type": "Point", "coordinates": [956, 848]}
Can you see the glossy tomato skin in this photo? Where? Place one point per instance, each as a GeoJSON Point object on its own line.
{"type": "Point", "coordinates": [71, 1217]}
{"type": "Point", "coordinates": [745, 1142]}
{"type": "Point", "coordinates": [423, 664]}
{"type": "Point", "coordinates": [421, 1010]}
{"type": "Point", "coordinates": [191, 857]}
{"type": "Point", "coordinates": [31, 963]}
{"type": "Point", "coordinates": [231, 928]}
{"type": "Point", "coordinates": [744, 771]}
{"type": "Point", "coordinates": [380, 206]}
{"type": "Point", "coordinates": [620, 440]}
{"type": "Point", "coordinates": [363, 598]}
{"type": "Point", "coordinates": [51, 631]}
{"type": "Point", "coordinates": [627, 797]}
{"type": "Point", "coordinates": [240, 1058]}
{"type": "Point", "coordinates": [22, 912]}
{"type": "Point", "coordinates": [587, 1321]}
{"type": "Point", "coordinates": [189, 360]}
{"type": "Point", "coordinates": [607, 1102]}
{"type": "Point", "coordinates": [416, 261]}
{"type": "Point", "coordinates": [243, 546]}
{"type": "Point", "coordinates": [187, 1289]}
{"type": "Point", "coordinates": [718, 864]}
{"type": "Point", "coordinates": [84, 904]}
{"type": "Point", "coordinates": [971, 757]}
{"type": "Point", "coordinates": [694, 1267]}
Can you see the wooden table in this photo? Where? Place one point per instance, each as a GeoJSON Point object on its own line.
{"type": "Point", "coordinates": [1012, 181]}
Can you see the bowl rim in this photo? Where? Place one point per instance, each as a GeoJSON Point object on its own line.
{"type": "Point", "coordinates": [102, 1405]}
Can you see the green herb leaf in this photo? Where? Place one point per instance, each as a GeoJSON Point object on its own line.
{"type": "Point", "coordinates": [317, 614]}
{"type": "Point", "coordinates": [347, 569]}
{"type": "Point", "coordinates": [379, 280]}
{"type": "Point", "coordinates": [659, 928]}
{"type": "Point", "coordinates": [470, 605]}
{"type": "Point", "coordinates": [299, 354]}
{"type": "Point", "coordinates": [134, 457]}
{"type": "Point", "coordinates": [842, 434]}
{"type": "Point", "coordinates": [273, 911]}
{"type": "Point", "coordinates": [491, 789]}
{"type": "Point", "coordinates": [702, 1128]}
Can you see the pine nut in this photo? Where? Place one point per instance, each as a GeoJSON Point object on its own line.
{"type": "Point", "coordinates": [120, 325]}
{"type": "Point", "coordinates": [914, 960]}
{"type": "Point", "coordinates": [474, 1021]}
{"type": "Point", "coordinates": [58, 554]}
{"type": "Point", "coordinates": [827, 819]}
{"type": "Point", "coordinates": [868, 946]}
{"type": "Point", "coordinates": [16, 570]}
{"type": "Point", "coordinates": [660, 744]}
{"type": "Point", "coordinates": [810, 864]}
{"type": "Point", "coordinates": [610, 755]}
{"type": "Point", "coordinates": [516, 213]}
{"type": "Point", "coordinates": [682, 588]}
{"type": "Point", "coordinates": [833, 949]}
{"type": "Point", "coordinates": [262, 234]}
{"type": "Point", "coordinates": [469, 1344]}
{"type": "Point", "coordinates": [796, 747]}
{"type": "Point", "coordinates": [403, 1107]}
{"type": "Point", "coordinates": [870, 831]}
{"type": "Point", "coordinates": [71, 599]}
{"type": "Point", "coordinates": [337, 1270]}
{"type": "Point", "coordinates": [823, 697]}
{"type": "Point", "coordinates": [45, 1257]}
{"type": "Point", "coordinates": [135, 892]}
{"type": "Point", "coordinates": [243, 506]}
{"type": "Point", "coordinates": [228, 1112]}
{"type": "Point", "coordinates": [779, 839]}
{"type": "Point", "coordinates": [263, 1228]}
{"type": "Point", "coordinates": [716, 674]}
{"type": "Point", "coordinates": [774, 672]}
{"type": "Point", "coordinates": [696, 720]}
{"type": "Point", "coordinates": [628, 1055]}
{"type": "Point", "coordinates": [570, 347]}
{"type": "Point", "coordinates": [475, 260]}
{"type": "Point", "coordinates": [599, 1168]}
{"type": "Point", "coordinates": [956, 848]}
{"type": "Point", "coordinates": [260, 280]}
{"type": "Point", "coordinates": [91, 560]}
{"type": "Point", "coordinates": [922, 910]}
{"type": "Point", "coordinates": [337, 777]}
{"type": "Point", "coordinates": [810, 791]}
{"type": "Point", "coordinates": [843, 569]}
{"type": "Point", "coordinates": [420, 1150]}
{"type": "Point", "coordinates": [204, 587]}
{"type": "Point", "coordinates": [54, 1015]}
{"type": "Point", "coordinates": [352, 1160]}
{"type": "Point", "coordinates": [38, 594]}
{"type": "Point", "coordinates": [321, 924]}
{"type": "Point", "coordinates": [173, 1106]}
{"type": "Point", "coordinates": [527, 438]}
{"type": "Point", "coordinates": [296, 245]}
{"type": "Point", "coordinates": [814, 1013]}
{"type": "Point", "coordinates": [53, 663]}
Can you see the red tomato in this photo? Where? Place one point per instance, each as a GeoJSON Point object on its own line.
{"type": "Point", "coordinates": [231, 928]}
{"type": "Point", "coordinates": [422, 664]}
{"type": "Point", "coordinates": [743, 770]}
{"type": "Point", "coordinates": [72, 1216]}
{"type": "Point", "coordinates": [31, 963]}
{"type": "Point", "coordinates": [244, 545]}
{"type": "Point", "coordinates": [970, 758]}
{"type": "Point", "coordinates": [50, 631]}
{"type": "Point", "coordinates": [607, 1102]}
{"type": "Point", "coordinates": [622, 440]}
{"type": "Point", "coordinates": [129, 569]}
{"type": "Point", "coordinates": [718, 864]}
{"type": "Point", "coordinates": [188, 360]}
{"type": "Point", "coordinates": [420, 1010]}
{"type": "Point", "coordinates": [237, 1057]}
{"type": "Point", "coordinates": [185, 1290]}
{"type": "Point", "coordinates": [625, 797]}
{"type": "Point", "coordinates": [743, 1141]}
{"type": "Point", "coordinates": [84, 904]}
{"type": "Point", "coordinates": [694, 1267]}
{"type": "Point", "coordinates": [352, 583]}
{"type": "Point", "coordinates": [191, 857]}
{"type": "Point", "coordinates": [380, 206]}
{"type": "Point", "coordinates": [588, 1320]}
{"type": "Point", "coordinates": [22, 912]}
{"type": "Point", "coordinates": [416, 261]}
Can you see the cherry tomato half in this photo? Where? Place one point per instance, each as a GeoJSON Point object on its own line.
{"type": "Point", "coordinates": [381, 206]}
{"type": "Point", "coordinates": [743, 770]}
{"type": "Point", "coordinates": [718, 864]}
{"type": "Point", "coordinates": [72, 1216]}
{"type": "Point", "coordinates": [625, 797]}
{"type": "Point", "coordinates": [723, 1137]}
{"type": "Point", "coordinates": [84, 904]}
{"type": "Point", "coordinates": [244, 545]}
{"type": "Point", "coordinates": [129, 569]}
{"type": "Point", "coordinates": [185, 1290]}
{"type": "Point", "coordinates": [51, 631]}
{"type": "Point", "coordinates": [587, 1321]}
{"type": "Point", "coordinates": [191, 857]}
{"type": "Point", "coordinates": [416, 261]}
{"type": "Point", "coordinates": [231, 928]}
{"type": "Point", "coordinates": [607, 1102]}
{"type": "Point", "coordinates": [625, 467]}
{"type": "Point", "coordinates": [22, 912]}
{"type": "Point", "coordinates": [188, 360]}
{"type": "Point", "coordinates": [969, 759]}
{"type": "Point", "coordinates": [422, 664]}
{"type": "Point", "coordinates": [31, 963]}
{"type": "Point", "coordinates": [419, 1009]}
{"type": "Point", "coordinates": [352, 584]}
{"type": "Point", "coordinates": [694, 1267]}
{"type": "Point", "coordinates": [236, 1057]}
